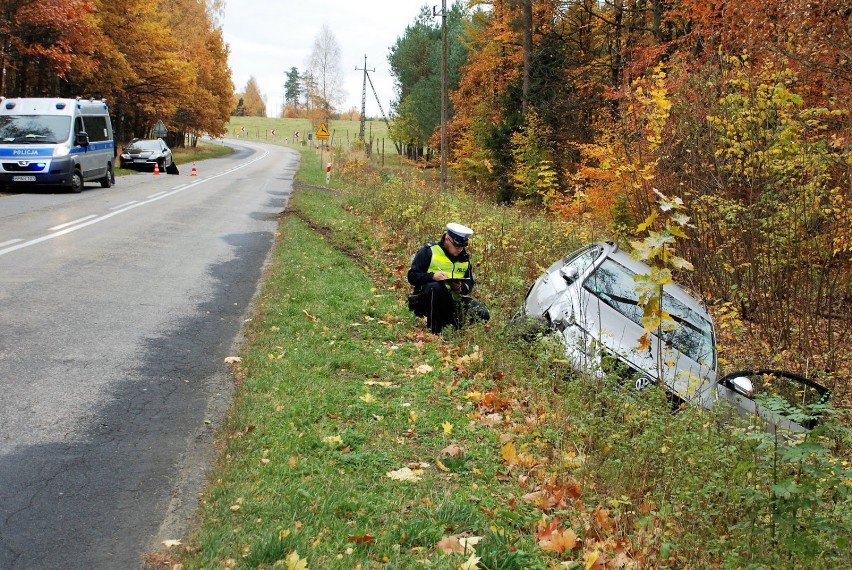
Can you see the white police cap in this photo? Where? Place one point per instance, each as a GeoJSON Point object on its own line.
{"type": "Point", "coordinates": [459, 233]}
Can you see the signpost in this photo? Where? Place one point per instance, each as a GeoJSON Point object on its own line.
{"type": "Point", "coordinates": [322, 132]}
{"type": "Point", "coordinates": [323, 135]}
{"type": "Point", "coordinates": [160, 130]}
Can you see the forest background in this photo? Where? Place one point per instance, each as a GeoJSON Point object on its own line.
{"type": "Point", "coordinates": [578, 108]}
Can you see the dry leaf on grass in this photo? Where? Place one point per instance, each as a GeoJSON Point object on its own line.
{"type": "Point", "coordinates": [405, 474]}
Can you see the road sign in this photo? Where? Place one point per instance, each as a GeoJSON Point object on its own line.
{"type": "Point", "coordinates": [322, 133]}
{"type": "Point", "coordinates": [160, 130]}
{"type": "Point", "coordinates": [273, 132]}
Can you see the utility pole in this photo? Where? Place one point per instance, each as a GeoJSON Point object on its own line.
{"type": "Point", "coordinates": [364, 98]}
{"type": "Point", "coordinates": [444, 98]}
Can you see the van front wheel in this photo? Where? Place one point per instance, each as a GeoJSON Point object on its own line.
{"type": "Point", "coordinates": [76, 185]}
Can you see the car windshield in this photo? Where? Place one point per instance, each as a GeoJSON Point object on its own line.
{"type": "Point", "coordinates": [144, 145]}
{"type": "Point", "coordinates": [34, 129]}
{"type": "Point", "coordinates": [693, 333]}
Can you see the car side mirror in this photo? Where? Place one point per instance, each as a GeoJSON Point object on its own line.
{"type": "Point", "coordinates": [82, 139]}
{"type": "Point", "coordinates": [569, 273]}
{"type": "Point", "coordinates": [742, 385]}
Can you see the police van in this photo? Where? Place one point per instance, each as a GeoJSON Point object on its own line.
{"type": "Point", "coordinates": [56, 142]}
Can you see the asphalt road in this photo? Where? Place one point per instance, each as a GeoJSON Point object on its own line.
{"type": "Point", "coordinates": [117, 309]}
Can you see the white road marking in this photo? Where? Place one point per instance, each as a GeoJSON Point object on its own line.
{"type": "Point", "coordinates": [10, 242]}
{"type": "Point", "coordinates": [122, 205]}
{"type": "Point", "coordinates": [65, 225]}
{"type": "Point", "coordinates": [157, 194]}
{"type": "Point", "coordinates": [93, 219]}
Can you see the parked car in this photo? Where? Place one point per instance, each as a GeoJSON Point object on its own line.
{"type": "Point", "coordinates": [143, 154]}
{"type": "Point", "coordinates": [589, 299]}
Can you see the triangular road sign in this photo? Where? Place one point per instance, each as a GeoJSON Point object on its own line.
{"type": "Point", "coordinates": [322, 132]}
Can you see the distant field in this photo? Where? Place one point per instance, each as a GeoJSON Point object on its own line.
{"type": "Point", "coordinates": [342, 132]}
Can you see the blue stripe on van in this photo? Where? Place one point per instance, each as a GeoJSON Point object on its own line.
{"type": "Point", "coordinates": [28, 152]}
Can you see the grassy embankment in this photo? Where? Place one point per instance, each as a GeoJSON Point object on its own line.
{"type": "Point", "coordinates": [358, 440]}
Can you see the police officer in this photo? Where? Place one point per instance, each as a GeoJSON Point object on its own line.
{"type": "Point", "coordinates": [442, 276]}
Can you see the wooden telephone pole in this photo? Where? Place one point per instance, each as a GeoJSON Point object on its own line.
{"type": "Point", "coordinates": [364, 98]}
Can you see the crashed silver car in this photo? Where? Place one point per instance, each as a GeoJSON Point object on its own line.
{"type": "Point", "coordinates": [589, 299]}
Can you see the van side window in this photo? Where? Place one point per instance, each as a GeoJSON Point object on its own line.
{"type": "Point", "coordinates": [96, 127]}
{"type": "Point", "coordinates": [78, 126]}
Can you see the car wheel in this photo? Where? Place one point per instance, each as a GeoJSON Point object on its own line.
{"type": "Point", "coordinates": [76, 185]}
{"type": "Point", "coordinates": [109, 178]}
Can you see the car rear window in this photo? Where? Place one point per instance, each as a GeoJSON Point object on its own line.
{"type": "Point", "coordinates": [692, 334]}
{"type": "Point", "coordinates": [145, 145]}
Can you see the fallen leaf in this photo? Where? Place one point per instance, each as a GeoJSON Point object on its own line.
{"type": "Point", "coordinates": [294, 562]}
{"type": "Point", "coordinates": [450, 545]}
{"type": "Point", "coordinates": [560, 541]}
{"type": "Point", "coordinates": [452, 450]}
{"type": "Point", "coordinates": [362, 539]}
{"type": "Point", "coordinates": [368, 398]}
{"type": "Point", "coordinates": [333, 441]}
{"type": "Point", "coordinates": [423, 369]}
{"type": "Point", "coordinates": [441, 466]}
{"type": "Point", "coordinates": [594, 560]}
{"type": "Point", "coordinates": [469, 543]}
{"type": "Point", "coordinates": [471, 563]}
{"type": "Point", "coordinates": [233, 360]}
{"type": "Point", "coordinates": [310, 316]}
{"type": "Point", "coordinates": [509, 454]}
{"type": "Point", "coordinates": [171, 542]}
{"type": "Point", "coordinates": [448, 428]}
{"type": "Point", "coordinates": [405, 474]}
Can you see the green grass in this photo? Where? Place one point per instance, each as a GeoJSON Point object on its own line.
{"type": "Point", "coordinates": [342, 132]}
{"type": "Point", "coordinates": [333, 395]}
{"type": "Point", "coordinates": [323, 334]}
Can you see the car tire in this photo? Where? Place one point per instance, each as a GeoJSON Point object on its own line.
{"type": "Point", "coordinates": [109, 178]}
{"type": "Point", "coordinates": [76, 185]}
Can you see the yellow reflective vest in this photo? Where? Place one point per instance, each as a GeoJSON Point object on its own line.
{"type": "Point", "coordinates": [440, 262]}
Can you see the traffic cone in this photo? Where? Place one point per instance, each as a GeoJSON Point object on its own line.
{"type": "Point", "coordinates": [194, 171]}
{"type": "Point", "coordinates": [156, 169]}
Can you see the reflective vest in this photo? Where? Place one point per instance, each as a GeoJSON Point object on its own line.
{"type": "Point", "coordinates": [440, 262]}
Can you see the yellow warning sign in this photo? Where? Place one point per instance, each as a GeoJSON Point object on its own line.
{"type": "Point", "coordinates": [322, 132]}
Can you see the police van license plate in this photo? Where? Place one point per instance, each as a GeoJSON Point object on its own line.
{"type": "Point", "coordinates": [23, 179]}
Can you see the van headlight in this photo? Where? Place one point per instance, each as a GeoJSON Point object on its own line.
{"type": "Point", "coordinates": [61, 151]}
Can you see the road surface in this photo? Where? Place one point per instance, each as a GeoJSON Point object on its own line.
{"type": "Point", "coordinates": [117, 309]}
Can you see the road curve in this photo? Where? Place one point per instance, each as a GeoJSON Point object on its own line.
{"type": "Point", "coordinates": [117, 309]}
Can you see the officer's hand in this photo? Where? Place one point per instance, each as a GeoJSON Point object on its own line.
{"type": "Point", "coordinates": [456, 285]}
{"type": "Point", "coordinates": [440, 276]}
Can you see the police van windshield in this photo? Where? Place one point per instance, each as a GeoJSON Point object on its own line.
{"type": "Point", "coordinates": [34, 129]}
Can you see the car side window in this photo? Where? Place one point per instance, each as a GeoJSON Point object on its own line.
{"type": "Point", "coordinates": [584, 260]}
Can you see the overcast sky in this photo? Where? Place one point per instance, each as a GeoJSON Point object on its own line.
{"type": "Point", "coordinates": [268, 37]}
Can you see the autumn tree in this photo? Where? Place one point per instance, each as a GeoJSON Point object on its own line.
{"type": "Point", "coordinates": [250, 101]}
{"type": "Point", "coordinates": [205, 104]}
{"type": "Point", "coordinates": [324, 68]}
{"type": "Point", "coordinates": [41, 43]}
